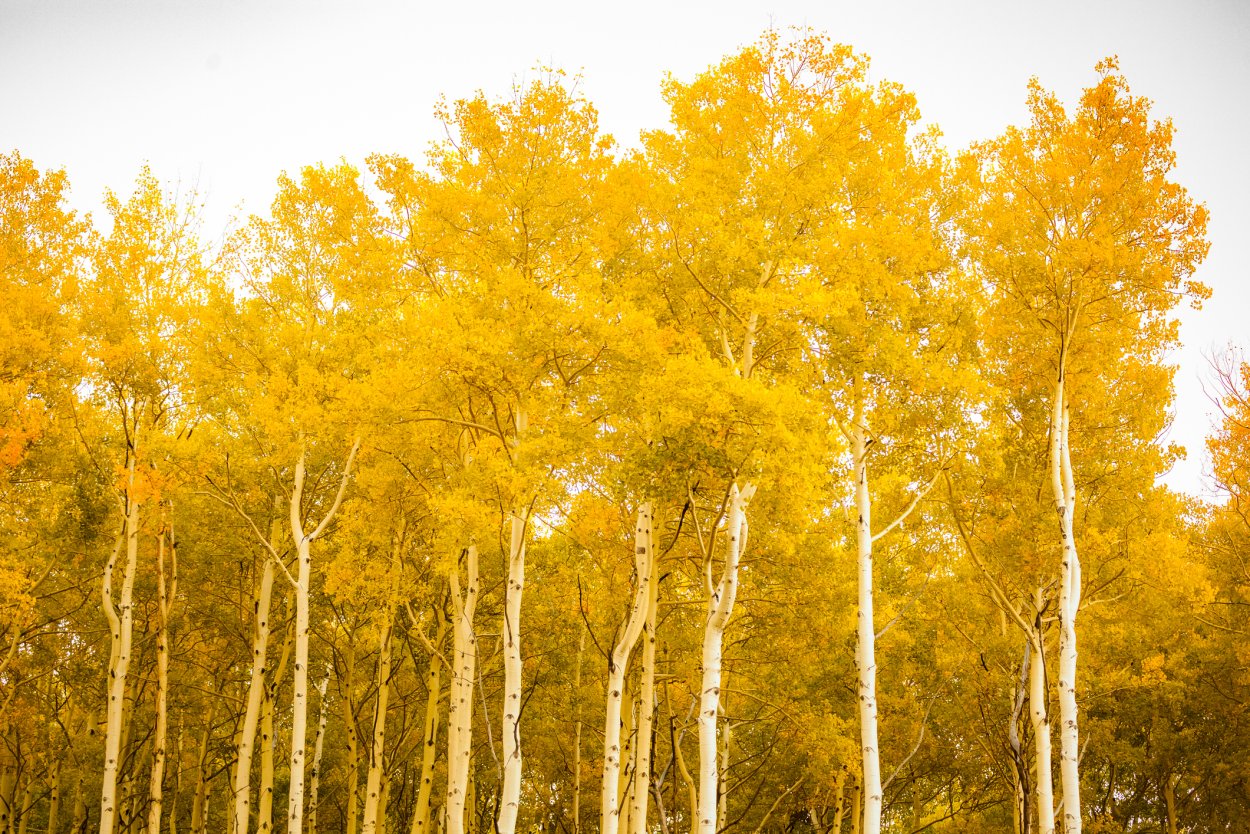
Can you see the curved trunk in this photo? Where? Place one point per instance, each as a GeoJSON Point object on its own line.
{"type": "Point", "coordinates": [251, 714]}
{"type": "Point", "coordinates": [618, 662]}
{"type": "Point", "coordinates": [429, 744]}
{"type": "Point", "coordinates": [1039, 717]}
{"type": "Point", "coordinates": [646, 702]}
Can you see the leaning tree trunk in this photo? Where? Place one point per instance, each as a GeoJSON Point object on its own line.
{"type": "Point", "coordinates": [618, 661]}
{"type": "Point", "coordinates": [1064, 490]}
{"type": "Point", "coordinates": [121, 627]}
{"type": "Point", "coordinates": [460, 707]}
{"type": "Point", "coordinates": [429, 737]}
{"type": "Point", "coordinates": [510, 730]}
{"type": "Point", "coordinates": [255, 694]}
{"type": "Point", "coordinates": [720, 606]}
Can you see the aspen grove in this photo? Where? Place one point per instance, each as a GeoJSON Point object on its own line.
{"type": "Point", "coordinates": [787, 473]}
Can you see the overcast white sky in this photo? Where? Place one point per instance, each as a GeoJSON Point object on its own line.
{"type": "Point", "coordinates": [228, 94]}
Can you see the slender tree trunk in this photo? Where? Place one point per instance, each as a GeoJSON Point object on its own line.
{"type": "Point", "coordinates": [720, 606]}
{"type": "Point", "coordinates": [54, 797]}
{"type": "Point", "coordinates": [199, 806]}
{"type": "Point", "coordinates": [1023, 813]}
{"type": "Point", "coordinates": [377, 751]}
{"type": "Point", "coordinates": [429, 744]}
{"type": "Point", "coordinates": [303, 584]}
{"type": "Point", "coordinates": [314, 780]}
{"type": "Point", "coordinates": [347, 693]}
{"type": "Point", "coordinates": [80, 805]}
{"type": "Point", "coordinates": [460, 707]}
{"type": "Point", "coordinates": [510, 730]}
{"type": "Point", "coordinates": [722, 792]}
{"type": "Point", "coordinates": [1069, 602]}
{"type": "Point", "coordinates": [255, 694]}
{"type": "Point", "coordinates": [618, 662]}
{"type": "Point", "coordinates": [865, 651]}
{"type": "Point", "coordinates": [28, 803]}
{"type": "Point", "coordinates": [268, 741]}
{"type": "Point", "coordinates": [164, 603]}
{"type": "Point", "coordinates": [839, 803]}
{"type": "Point", "coordinates": [577, 732]}
{"type": "Point", "coordinates": [1169, 802]}
{"type": "Point", "coordinates": [857, 816]}
{"type": "Point", "coordinates": [121, 627]}
{"type": "Point", "coordinates": [8, 786]}
{"type": "Point", "coordinates": [646, 698]}
{"type": "Point", "coordinates": [1039, 717]}
{"type": "Point", "coordinates": [625, 781]}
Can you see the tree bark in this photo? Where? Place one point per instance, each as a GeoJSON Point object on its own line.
{"type": "Point", "coordinates": [303, 585]}
{"type": "Point", "coordinates": [1039, 716]}
{"type": "Point", "coordinates": [646, 699]}
{"type": "Point", "coordinates": [510, 730]}
{"type": "Point", "coordinates": [374, 806]}
{"type": "Point", "coordinates": [255, 694]}
{"type": "Point", "coordinates": [314, 781]}
{"type": "Point", "coordinates": [1069, 602]}
{"type": "Point", "coordinates": [869, 789]}
{"type": "Point", "coordinates": [720, 606]}
{"type": "Point", "coordinates": [121, 627]}
{"type": "Point", "coordinates": [460, 708]}
{"type": "Point", "coordinates": [618, 662]}
{"type": "Point", "coordinates": [429, 743]}
{"type": "Point", "coordinates": [164, 602]}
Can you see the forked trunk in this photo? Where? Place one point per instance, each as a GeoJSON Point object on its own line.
{"type": "Point", "coordinates": [618, 663]}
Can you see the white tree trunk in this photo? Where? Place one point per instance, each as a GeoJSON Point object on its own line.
{"type": "Point", "coordinates": [163, 607]}
{"type": "Point", "coordinates": [720, 606]}
{"type": "Point", "coordinates": [865, 650]}
{"type": "Point", "coordinates": [373, 782]}
{"type": "Point", "coordinates": [251, 715]}
{"type": "Point", "coordinates": [510, 730]}
{"type": "Point", "coordinates": [121, 628]}
{"type": "Point", "coordinates": [460, 708]}
{"type": "Point", "coordinates": [429, 743]}
{"type": "Point", "coordinates": [1069, 601]}
{"type": "Point", "coordinates": [618, 662]}
{"type": "Point", "coordinates": [646, 699]}
{"type": "Point", "coordinates": [314, 781]}
{"type": "Point", "coordinates": [303, 584]}
{"type": "Point", "coordinates": [1039, 718]}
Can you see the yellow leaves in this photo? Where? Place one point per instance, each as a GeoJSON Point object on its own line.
{"type": "Point", "coordinates": [1152, 669]}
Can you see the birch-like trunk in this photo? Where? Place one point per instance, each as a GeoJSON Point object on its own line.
{"type": "Point", "coordinates": [264, 810]}
{"type": "Point", "coordinates": [577, 733]}
{"type": "Point", "coordinates": [251, 714]}
{"type": "Point", "coordinates": [374, 807]}
{"type": "Point", "coordinates": [164, 597]}
{"type": "Point", "coordinates": [429, 744]}
{"type": "Point", "coordinates": [1023, 815]}
{"type": "Point", "coordinates": [1064, 490]}
{"type": "Point", "coordinates": [646, 699]}
{"type": "Point", "coordinates": [865, 649]}
{"type": "Point", "coordinates": [510, 730]}
{"type": "Point", "coordinates": [199, 805]}
{"type": "Point", "coordinates": [54, 797]}
{"type": "Point", "coordinates": [121, 627]}
{"type": "Point", "coordinates": [1039, 718]}
{"type": "Point", "coordinates": [314, 780]}
{"type": "Point", "coordinates": [618, 662]}
{"type": "Point", "coordinates": [839, 803]}
{"type": "Point", "coordinates": [346, 682]}
{"type": "Point", "coordinates": [460, 707]}
{"type": "Point", "coordinates": [720, 606]}
{"type": "Point", "coordinates": [303, 585]}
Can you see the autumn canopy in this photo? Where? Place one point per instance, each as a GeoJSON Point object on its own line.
{"type": "Point", "coordinates": [789, 473]}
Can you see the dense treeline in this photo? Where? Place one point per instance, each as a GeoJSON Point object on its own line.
{"type": "Point", "coordinates": [786, 474]}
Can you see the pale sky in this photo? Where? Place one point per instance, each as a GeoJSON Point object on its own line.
{"type": "Point", "coordinates": [228, 94]}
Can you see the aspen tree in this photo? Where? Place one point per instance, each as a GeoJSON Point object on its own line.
{"type": "Point", "coordinates": [460, 705]}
